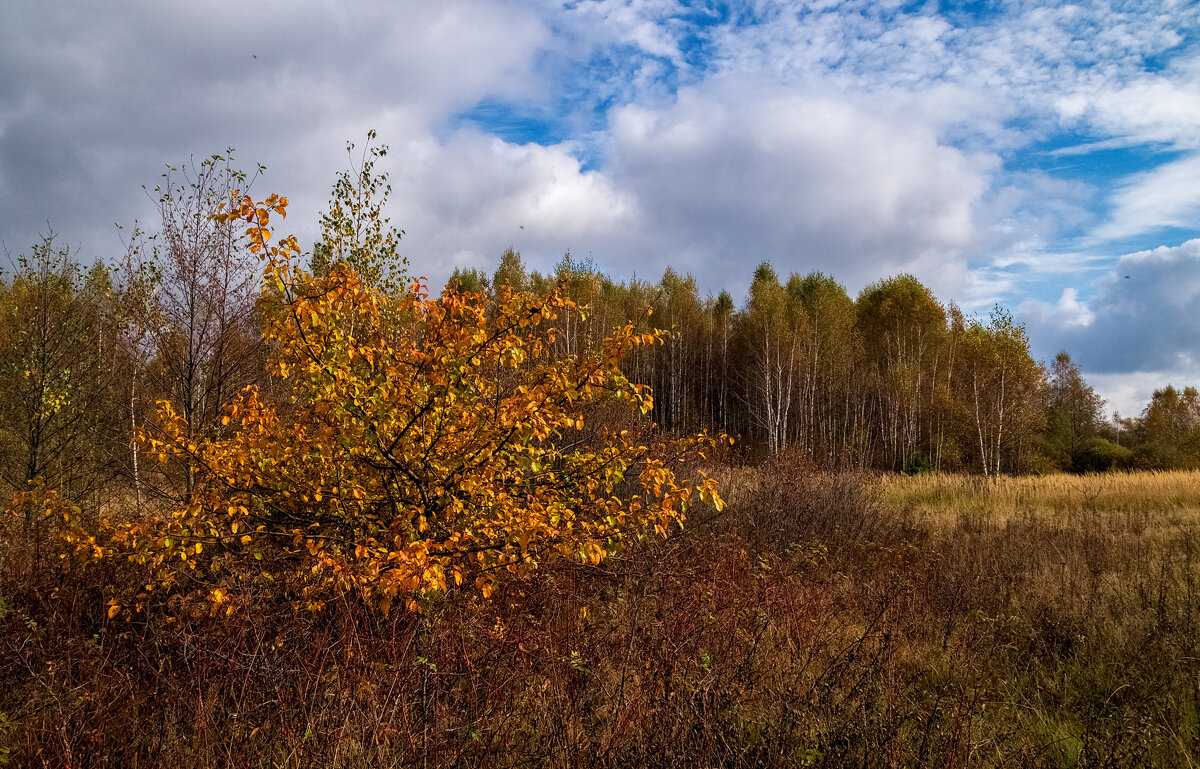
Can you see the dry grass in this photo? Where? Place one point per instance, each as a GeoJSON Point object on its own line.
{"type": "Point", "coordinates": [1116, 491]}
{"type": "Point", "coordinates": [824, 620]}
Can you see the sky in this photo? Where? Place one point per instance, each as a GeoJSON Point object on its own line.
{"type": "Point", "coordinates": [1042, 156]}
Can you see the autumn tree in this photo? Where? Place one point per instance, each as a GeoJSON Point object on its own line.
{"type": "Point", "coordinates": [949, 437]}
{"type": "Point", "coordinates": [768, 335]}
{"type": "Point", "coordinates": [424, 443]}
{"type": "Point", "coordinates": [56, 362]}
{"type": "Point", "coordinates": [721, 319]}
{"type": "Point", "coordinates": [469, 281]}
{"type": "Point", "coordinates": [1004, 389]}
{"type": "Point", "coordinates": [190, 290]}
{"type": "Point", "coordinates": [1074, 411]}
{"type": "Point", "coordinates": [1170, 429]}
{"type": "Point", "coordinates": [354, 232]}
{"type": "Point", "coordinates": [60, 435]}
{"type": "Point", "coordinates": [679, 311]}
{"type": "Point", "coordinates": [510, 272]}
{"type": "Point", "coordinates": [821, 321]}
{"type": "Point", "coordinates": [902, 327]}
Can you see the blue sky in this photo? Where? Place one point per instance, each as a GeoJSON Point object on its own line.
{"type": "Point", "coordinates": [1031, 154]}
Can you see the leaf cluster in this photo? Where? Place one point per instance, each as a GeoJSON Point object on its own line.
{"type": "Point", "coordinates": [424, 444]}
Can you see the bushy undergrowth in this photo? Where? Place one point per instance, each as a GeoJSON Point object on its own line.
{"type": "Point", "coordinates": [823, 619]}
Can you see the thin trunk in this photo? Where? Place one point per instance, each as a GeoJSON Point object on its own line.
{"type": "Point", "coordinates": [137, 477]}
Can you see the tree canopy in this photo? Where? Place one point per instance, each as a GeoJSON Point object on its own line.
{"type": "Point", "coordinates": [422, 443]}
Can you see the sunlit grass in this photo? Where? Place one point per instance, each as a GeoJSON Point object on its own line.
{"type": "Point", "coordinates": [1168, 496]}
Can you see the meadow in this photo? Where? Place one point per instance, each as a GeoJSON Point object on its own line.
{"type": "Point", "coordinates": [822, 619]}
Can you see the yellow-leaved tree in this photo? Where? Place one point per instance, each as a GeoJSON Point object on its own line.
{"type": "Point", "coordinates": [423, 444]}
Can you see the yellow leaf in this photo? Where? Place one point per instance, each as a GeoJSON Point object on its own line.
{"type": "Point", "coordinates": [113, 610]}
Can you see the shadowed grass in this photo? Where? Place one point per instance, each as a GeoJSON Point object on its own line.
{"type": "Point", "coordinates": [823, 620]}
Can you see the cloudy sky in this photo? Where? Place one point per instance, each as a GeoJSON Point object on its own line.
{"type": "Point", "coordinates": [1043, 156]}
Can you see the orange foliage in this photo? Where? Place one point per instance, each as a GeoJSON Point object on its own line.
{"type": "Point", "coordinates": [425, 444]}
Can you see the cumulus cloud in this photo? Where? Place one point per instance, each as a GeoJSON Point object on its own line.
{"type": "Point", "coordinates": [94, 99]}
{"type": "Point", "coordinates": [711, 184]}
{"type": "Point", "coordinates": [861, 138]}
{"type": "Point", "coordinates": [1067, 313]}
{"type": "Point", "coordinates": [988, 85]}
{"type": "Point", "coordinates": [1145, 316]}
{"type": "Point", "coordinates": [1128, 394]}
{"type": "Point", "coordinates": [726, 177]}
{"type": "Point", "coordinates": [464, 200]}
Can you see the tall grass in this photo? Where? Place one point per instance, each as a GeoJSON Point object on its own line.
{"type": "Point", "coordinates": [824, 619]}
{"type": "Point", "coordinates": [1173, 494]}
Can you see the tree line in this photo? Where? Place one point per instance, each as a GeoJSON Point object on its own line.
{"type": "Point", "coordinates": [892, 379]}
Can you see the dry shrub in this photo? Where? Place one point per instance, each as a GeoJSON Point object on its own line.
{"type": "Point", "coordinates": [792, 503]}
{"type": "Point", "coordinates": [810, 625]}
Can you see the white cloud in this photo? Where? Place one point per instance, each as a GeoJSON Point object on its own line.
{"type": "Point", "coordinates": [1143, 320]}
{"type": "Point", "coordinates": [728, 176]}
{"type": "Point", "coordinates": [1030, 60]}
{"type": "Point", "coordinates": [853, 137]}
{"type": "Point", "coordinates": [109, 93]}
{"type": "Point", "coordinates": [1158, 108]}
{"type": "Point", "coordinates": [1139, 332]}
{"type": "Point", "coordinates": [712, 184]}
{"type": "Point", "coordinates": [463, 202]}
{"type": "Point", "coordinates": [640, 23]}
{"type": "Point", "coordinates": [1128, 394]}
{"type": "Point", "coordinates": [1067, 313]}
{"type": "Point", "coordinates": [1167, 196]}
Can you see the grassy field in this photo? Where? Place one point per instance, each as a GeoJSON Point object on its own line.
{"type": "Point", "coordinates": [1087, 588]}
{"type": "Point", "coordinates": [823, 620]}
{"type": "Point", "coordinates": [1167, 496]}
